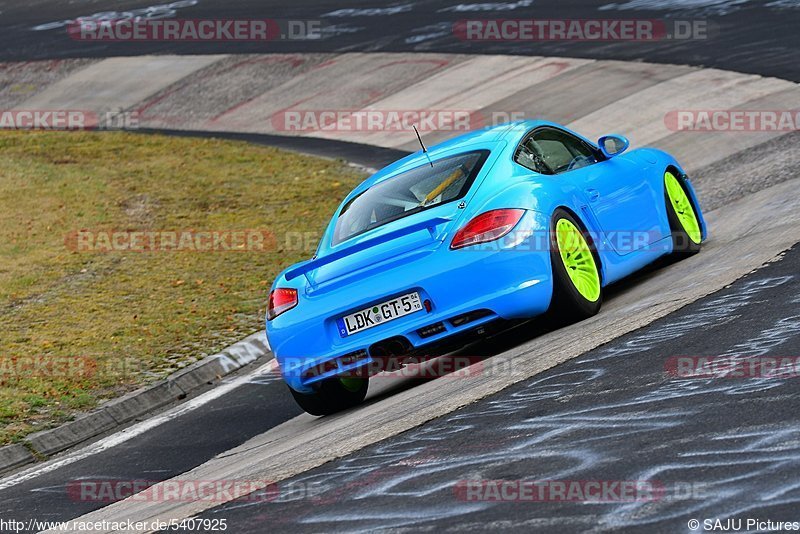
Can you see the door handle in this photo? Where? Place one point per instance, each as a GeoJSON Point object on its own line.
{"type": "Point", "coordinates": [593, 194]}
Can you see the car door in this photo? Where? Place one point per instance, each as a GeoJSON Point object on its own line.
{"type": "Point", "coordinates": [621, 199]}
{"type": "Point", "coordinates": [614, 189]}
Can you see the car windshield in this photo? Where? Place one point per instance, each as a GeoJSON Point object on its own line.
{"type": "Point", "coordinates": [421, 188]}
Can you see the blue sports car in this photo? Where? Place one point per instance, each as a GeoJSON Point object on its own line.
{"type": "Point", "coordinates": [504, 223]}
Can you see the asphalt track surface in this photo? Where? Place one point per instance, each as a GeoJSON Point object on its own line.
{"type": "Point", "coordinates": [612, 413]}
{"type": "Point", "coordinates": [161, 453]}
{"type": "Point", "coordinates": [615, 413]}
{"type": "Point", "coordinates": [754, 36]}
{"type": "Point", "coordinates": [367, 156]}
{"type": "Point", "coordinates": [721, 448]}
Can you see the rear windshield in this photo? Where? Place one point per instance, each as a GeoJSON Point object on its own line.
{"type": "Point", "coordinates": [410, 192]}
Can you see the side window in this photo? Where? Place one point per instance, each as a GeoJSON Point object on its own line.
{"type": "Point", "coordinates": [551, 151]}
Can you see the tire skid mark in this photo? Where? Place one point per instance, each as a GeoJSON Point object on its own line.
{"type": "Point", "coordinates": [394, 484]}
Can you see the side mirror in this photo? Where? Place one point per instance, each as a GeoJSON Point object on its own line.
{"type": "Point", "coordinates": [613, 145]}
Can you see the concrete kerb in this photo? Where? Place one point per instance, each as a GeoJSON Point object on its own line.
{"type": "Point", "coordinates": [123, 410]}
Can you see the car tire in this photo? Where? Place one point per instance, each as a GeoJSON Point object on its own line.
{"type": "Point", "coordinates": [332, 395]}
{"type": "Point", "coordinates": [579, 295]}
{"type": "Point", "coordinates": [682, 215]}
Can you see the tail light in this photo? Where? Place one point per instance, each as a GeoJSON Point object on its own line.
{"type": "Point", "coordinates": [281, 299]}
{"type": "Point", "coordinates": [487, 226]}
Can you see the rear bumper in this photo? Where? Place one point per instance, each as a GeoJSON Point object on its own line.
{"type": "Point", "coordinates": [513, 283]}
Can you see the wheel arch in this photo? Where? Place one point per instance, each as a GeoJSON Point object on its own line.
{"type": "Point", "coordinates": [589, 234]}
{"type": "Point", "coordinates": [691, 193]}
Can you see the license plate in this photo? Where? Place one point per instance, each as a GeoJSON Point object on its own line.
{"type": "Point", "coordinates": [379, 314]}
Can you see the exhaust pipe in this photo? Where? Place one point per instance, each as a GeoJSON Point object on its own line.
{"type": "Point", "coordinates": [390, 348]}
{"type": "Point", "coordinates": [387, 355]}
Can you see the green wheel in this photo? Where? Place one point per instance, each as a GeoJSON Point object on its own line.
{"type": "Point", "coordinates": [577, 286]}
{"type": "Point", "coordinates": [333, 395]}
{"type": "Point", "coordinates": [683, 221]}
{"type": "Point", "coordinates": [352, 383]}
{"type": "Point", "coordinates": [578, 259]}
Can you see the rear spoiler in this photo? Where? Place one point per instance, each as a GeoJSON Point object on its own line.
{"type": "Point", "coordinates": [310, 265]}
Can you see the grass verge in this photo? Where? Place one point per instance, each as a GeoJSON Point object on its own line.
{"type": "Point", "coordinates": [81, 324]}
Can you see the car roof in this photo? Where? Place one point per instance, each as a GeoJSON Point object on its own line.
{"type": "Point", "coordinates": [501, 137]}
